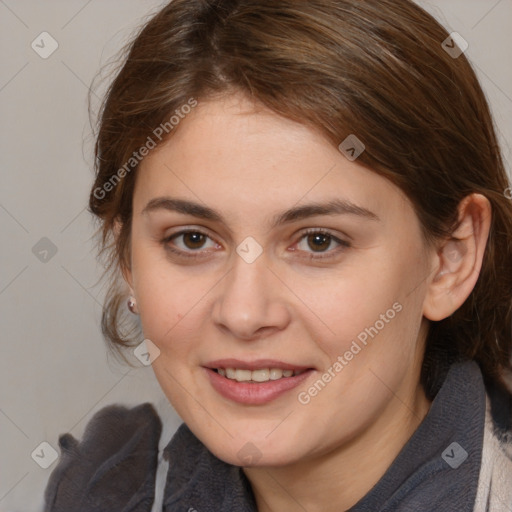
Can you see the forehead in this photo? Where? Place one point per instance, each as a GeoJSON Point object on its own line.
{"type": "Point", "coordinates": [231, 153]}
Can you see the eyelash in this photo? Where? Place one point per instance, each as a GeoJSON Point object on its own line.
{"type": "Point", "coordinates": [343, 244]}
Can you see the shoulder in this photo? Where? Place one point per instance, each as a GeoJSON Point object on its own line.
{"type": "Point", "coordinates": [494, 492]}
{"type": "Point", "coordinates": [114, 462]}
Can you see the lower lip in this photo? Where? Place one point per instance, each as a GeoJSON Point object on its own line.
{"type": "Point", "coordinates": [254, 393]}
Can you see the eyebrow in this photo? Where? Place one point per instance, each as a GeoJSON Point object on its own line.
{"type": "Point", "coordinates": [333, 207]}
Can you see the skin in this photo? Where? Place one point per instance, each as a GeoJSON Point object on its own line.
{"type": "Point", "coordinates": [249, 165]}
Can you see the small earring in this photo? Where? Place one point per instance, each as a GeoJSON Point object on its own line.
{"type": "Point", "coordinates": [132, 305]}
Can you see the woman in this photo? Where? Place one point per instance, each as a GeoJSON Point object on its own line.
{"type": "Point", "coordinates": [306, 205]}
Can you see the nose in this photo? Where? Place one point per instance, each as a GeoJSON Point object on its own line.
{"type": "Point", "coordinates": [251, 301]}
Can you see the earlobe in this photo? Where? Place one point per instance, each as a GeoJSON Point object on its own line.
{"type": "Point", "coordinates": [458, 260]}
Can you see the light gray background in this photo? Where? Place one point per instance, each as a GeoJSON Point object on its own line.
{"type": "Point", "coordinates": [54, 370]}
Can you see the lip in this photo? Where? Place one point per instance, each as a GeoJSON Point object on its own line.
{"type": "Point", "coordinates": [260, 393]}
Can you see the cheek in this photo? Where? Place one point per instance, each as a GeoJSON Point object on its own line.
{"type": "Point", "coordinates": [346, 303]}
{"type": "Point", "coordinates": [171, 312]}
{"type": "Point", "coordinates": [168, 300]}
{"type": "Point", "coordinates": [373, 320]}
{"type": "Point", "coordinates": [369, 314]}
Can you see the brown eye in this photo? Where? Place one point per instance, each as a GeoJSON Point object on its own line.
{"type": "Point", "coordinates": [319, 242]}
{"type": "Point", "coordinates": [194, 240]}
{"type": "Point", "coordinates": [190, 243]}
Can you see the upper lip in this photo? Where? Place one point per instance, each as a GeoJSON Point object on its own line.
{"type": "Point", "coordinates": [257, 364]}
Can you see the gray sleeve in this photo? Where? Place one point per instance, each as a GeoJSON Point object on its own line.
{"type": "Point", "coordinates": [113, 468]}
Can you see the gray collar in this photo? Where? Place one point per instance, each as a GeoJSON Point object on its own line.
{"type": "Point", "coordinates": [432, 469]}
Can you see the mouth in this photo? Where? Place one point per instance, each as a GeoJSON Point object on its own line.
{"type": "Point", "coordinates": [255, 383]}
{"type": "Point", "coordinates": [257, 376]}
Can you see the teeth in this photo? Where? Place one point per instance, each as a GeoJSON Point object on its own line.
{"type": "Point", "coordinates": [276, 373]}
{"type": "Point", "coordinates": [261, 375]}
{"type": "Point", "coordinates": [243, 375]}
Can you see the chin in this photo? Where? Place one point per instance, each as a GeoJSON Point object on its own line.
{"type": "Point", "coordinates": [253, 450]}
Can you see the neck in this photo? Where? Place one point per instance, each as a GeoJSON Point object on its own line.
{"type": "Point", "coordinates": [337, 480]}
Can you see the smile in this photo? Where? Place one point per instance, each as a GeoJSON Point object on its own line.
{"type": "Point", "coordinates": [256, 383]}
{"type": "Point", "coordinates": [260, 375]}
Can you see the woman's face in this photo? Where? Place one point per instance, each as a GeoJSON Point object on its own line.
{"type": "Point", "coordinates": [257, 248]}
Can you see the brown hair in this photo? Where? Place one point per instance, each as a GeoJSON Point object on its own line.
{"type": "Point", "coordinates": [376, 69]}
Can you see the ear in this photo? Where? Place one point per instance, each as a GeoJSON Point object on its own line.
{"type": "Point", "coordinates": [458, 260]}
{"type": "Point", "coordinates": [125, 270]}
